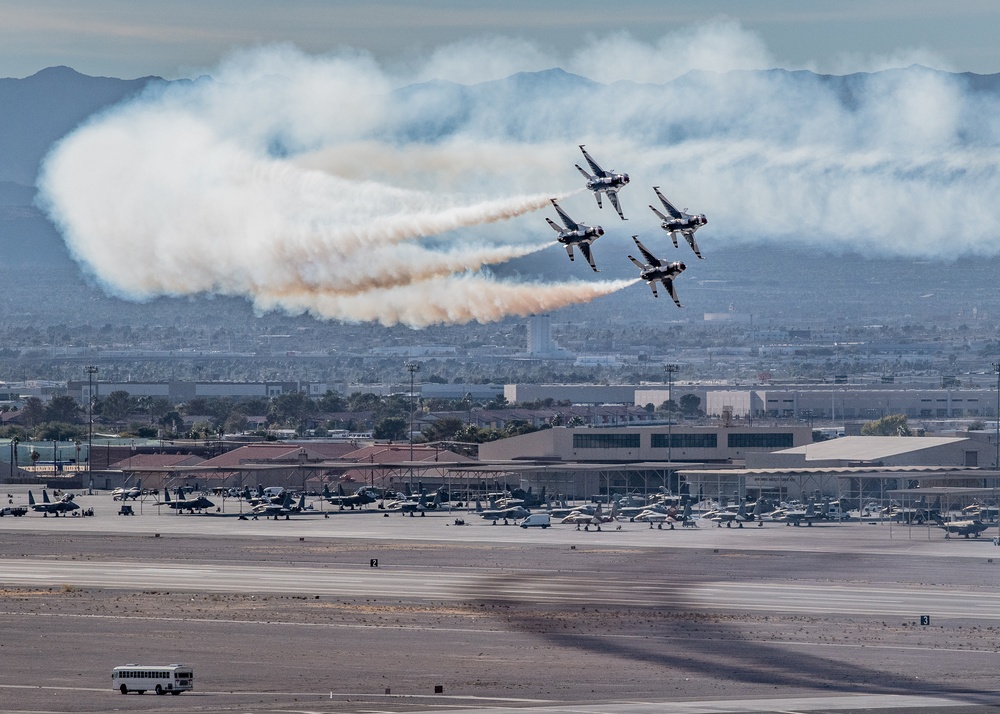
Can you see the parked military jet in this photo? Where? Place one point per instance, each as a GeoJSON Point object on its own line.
{"type": "Point", "coordinates": [362, 497]}
{"type": "Point", "coordinates": [124, 494]}
{"type": "Point", "coordinates": [679, 222]}
{"type": "Point", "coordinates": [578, 234]}
{"type": "Point", "coordinates": [602, 181]}
{"type": "Point", "coordinates": [285, 508]}
{"type": "Point", "coordinates": [963, 528]}
{"type": "Point", "coordinates": [511, 512]}
{"type": "Point", "coordinates": [184, 504]}
{"type": "Point", "coordinates": [63, 505]}
{"type": "Point", "coordinates": [655, 269]}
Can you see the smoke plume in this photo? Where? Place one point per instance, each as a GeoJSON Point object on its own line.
{"type": "Point", "coordinates": [335, 186]}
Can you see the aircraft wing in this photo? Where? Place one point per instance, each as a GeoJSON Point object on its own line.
{"type": "Point", "coordinates": [593, 164]}
{"type": "Point", "coordinates": [667, 204]}
{"type": "Point", "coordinates": [567, 221]}
{"type": "Point", "coordinates": [613, 197]}
{"type": "Point", "coordinates": [639, 265]}
{"type": "Point", "coordinates": [650, 258]}
{"type": "Point", "coordinates": [585, 249]}
{"type": "Point", "coordinates": [669, 285]}
{"type": "Point", "coordinates": [585, 174]}
{"type": "Point", "coordinates": [689, 237]}
{"type": "Point", "coordinates": [552, 223]}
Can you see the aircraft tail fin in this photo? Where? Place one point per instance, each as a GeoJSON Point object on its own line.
{"type": "Point", "coordinates": [31, 499]}
{"type": "Point", "coordinates": [45, 496]}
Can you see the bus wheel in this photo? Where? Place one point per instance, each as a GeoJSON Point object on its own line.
{"type": "Point", "coordinates": [123, 689]}
{"type": "Point", "coordinates": [159, 689]}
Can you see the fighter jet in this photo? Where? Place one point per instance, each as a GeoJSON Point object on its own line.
{"type": "Point", "coordinates": [344, 500]}
{"type": "Point", "coordinates": [285, 508]}
{"type": "Point", "coordinates": [963, 528]}
{"type": "Point", "coordinates": [578, 234]}
{"type": "Point", "coordinates": [124, 494]}
{"type": "Point", "coordinates": [655, 269]}
{"type": "Point", "coordinates": [183, 504]}
{"type": "Point", "coordinates": [603, 182]}
{"type": "Point", "coordinates": [679, 222]}
{"type": "Point", "coordinates": [64, 505]}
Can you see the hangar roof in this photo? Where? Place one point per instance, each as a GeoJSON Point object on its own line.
{"type": "Point", "coordinates": [869, 448]}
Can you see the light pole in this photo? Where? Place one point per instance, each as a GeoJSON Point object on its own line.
{"type": "Point", "coordinates": [670, 369]}
{"type": "Point", "coordinates": [996, 368]}
{"type": "Point", "coordinates": [412, 368]}
{"type": "Point", "coordinates": [91, 371]}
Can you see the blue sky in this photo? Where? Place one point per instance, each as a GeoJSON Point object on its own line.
{"type": "Point", "coordinates": [179, 38]}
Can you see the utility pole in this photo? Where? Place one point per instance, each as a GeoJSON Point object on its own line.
{"type": "Point", "coordinates": [996, 368]}
{"type": "Point", "coordinates": [91, 371]}
{"type": "Point", "coordinates": [412, 368]}
{"type": "Point", "coordinates": [670, 369]}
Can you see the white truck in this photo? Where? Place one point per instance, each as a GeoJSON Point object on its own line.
{"type": "Point", "coordinates": [536, 520]}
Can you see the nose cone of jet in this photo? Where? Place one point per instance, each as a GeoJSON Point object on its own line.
{"type": "Point", "coordinates": [599, 231]}
{"type": "Point", "coordinates": [681, 266]}
{"type": "Point", "coordinates": [624, 178]}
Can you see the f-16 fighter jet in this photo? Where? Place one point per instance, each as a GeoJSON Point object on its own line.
{"type": "Point", "coordinates": [578, 234]}
{"type": "Point", "coordinates": [679, 222]}
{"type": "Point", "coordinates": [603, 182]}
{"type": "Point", "coordinates": [656, 269]}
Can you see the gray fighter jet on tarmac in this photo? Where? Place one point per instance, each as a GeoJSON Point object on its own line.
{"type": "Point", "coordinates": [578, 234]}
{"type": "Point", "coordinates": [602, 181]}
{"type": "Point", "coordinates": [679, 222]}
{"type": "Point", "coordinates": [63, 505]}
{"type": "Point", "coordinates": [655, 269]}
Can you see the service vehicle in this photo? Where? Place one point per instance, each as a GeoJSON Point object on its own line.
{"type": "Point", "coordinates": [536, 520]}
{"type": "Point", "coordinates": [161, 678]}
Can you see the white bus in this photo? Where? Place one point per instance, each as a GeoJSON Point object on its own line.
{"type": "Point", "coordinates": [173, 678]}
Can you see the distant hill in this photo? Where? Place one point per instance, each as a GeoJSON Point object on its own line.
{"type": "Point", "coordinates": [38, 110]}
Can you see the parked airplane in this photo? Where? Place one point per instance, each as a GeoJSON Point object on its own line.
{"type": "Point", "coordinates": [655, 269]}
{"type": "Point", "coordinates": [596, 518]}
{"type": "Point", "coordinates": [962, 528]}
{"type": "Point", "coordinates": [285, 508]}
{"type": "Point", "coordinates": [124, 494]}
{"type": "Point", "coordinates": [343, 500]}
{"type": "Point", "coordinates": [740, 516]}
{"type": "Point", "coordinates": [578, 234]}
{"type": "Point", "coordinates": [514, 512]}
{"type": "Point", "coordinates": [184, 504]}
{"type": "Point", "coordinates": [63, 505]}
{"type": "Point", "coordinates": [679, 222]}
{"type": "Point", "coordinates": [809, 516]}
{"type": "Point", "coordinates": [603, 182]}
{"type": "Point", "coordinates": [670, 516]}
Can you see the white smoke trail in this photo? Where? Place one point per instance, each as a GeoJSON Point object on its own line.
{"type": "Point", "coordinates": [453, 300]}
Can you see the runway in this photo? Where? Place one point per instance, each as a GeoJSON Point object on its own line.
{"type": "Point", "coordinates": [437, 584]}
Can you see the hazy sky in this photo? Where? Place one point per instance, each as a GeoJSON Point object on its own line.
{"type": "Point", "coordinates": [180, 38]}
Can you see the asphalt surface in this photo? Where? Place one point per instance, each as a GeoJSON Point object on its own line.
{"type": "Point", "coordinates": [295, 616]}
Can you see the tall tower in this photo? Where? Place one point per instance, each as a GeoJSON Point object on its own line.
{"type": "Point", "coordinates": [539, 335]}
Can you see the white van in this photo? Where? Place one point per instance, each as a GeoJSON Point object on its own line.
{"type": "Point", "coordinates": [541, 520]}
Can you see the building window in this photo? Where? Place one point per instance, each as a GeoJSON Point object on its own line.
{"type": "Point", "coordinates": [763, 441]}
{"type": "Point", "coordinates": [972, 458]}
{"type": "Point", "coordinates": [684, 441]}
{"type": "Point", "coordinates": [605, 441]}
